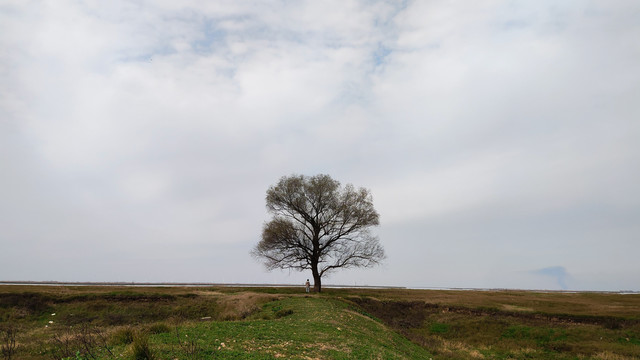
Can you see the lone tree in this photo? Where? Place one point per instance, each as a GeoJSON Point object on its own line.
{"type": "Point", "coordinates": [318, 225]}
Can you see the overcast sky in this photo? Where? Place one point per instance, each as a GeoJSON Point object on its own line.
{"type": "Point", "coordinates": [500, 139]}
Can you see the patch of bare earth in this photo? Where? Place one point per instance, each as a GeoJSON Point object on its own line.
{"type": "Point", "coordinates": [605, 355]}
{"type": "Point", "coordinates": [507, 307]}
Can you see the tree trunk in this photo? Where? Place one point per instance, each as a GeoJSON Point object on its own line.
{"type": "Point", "coordinates": [317, 283]}
{"type": "Point", "coordinates": [315, 259]}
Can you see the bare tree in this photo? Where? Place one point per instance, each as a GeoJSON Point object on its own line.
{"type": "Point", "coordinates": [320, 226]}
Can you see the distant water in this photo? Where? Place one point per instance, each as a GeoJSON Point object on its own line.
{"type": "Point", "coordinates": [622, 292]}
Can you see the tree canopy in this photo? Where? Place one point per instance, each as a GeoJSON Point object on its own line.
{"type": "Point", "coordinates": [318, 225]}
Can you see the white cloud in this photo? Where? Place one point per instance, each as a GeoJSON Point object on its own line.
{"type": "Point", "coordinates": [492, 128]}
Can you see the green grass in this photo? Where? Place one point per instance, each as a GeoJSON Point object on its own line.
{"type": "Point", "coordinates": [438, 328]}
{"type": "Point", "coordinates": [314, 327]}
{"type": "Point", "coordinates": [204, 323]}
{"type": "Point", "coordinates": [508, 330]}
{"type": "Point", "coordinates": [276, 323]}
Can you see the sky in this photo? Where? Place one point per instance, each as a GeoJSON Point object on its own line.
{"type": "Point", "coordinates": [500, 139]}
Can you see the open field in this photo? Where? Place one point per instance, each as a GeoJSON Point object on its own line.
{"type": "Point", "coordinates": [105, 322]}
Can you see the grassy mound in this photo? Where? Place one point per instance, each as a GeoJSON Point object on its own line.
{"type": "Point", "coordinates": [293, 328]}
{"type": "Point", "coordinates": [195, 324]}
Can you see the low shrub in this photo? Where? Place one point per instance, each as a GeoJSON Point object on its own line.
{"type": "Point", "coordinates": [8, 345]}
{"type": "Point", "coordinates": [283, 312]}
{"type": "Point", "coordinates": [158, 328]}
{"type": "Point", "coordinates": [141, 348]}
{"type": "Point", "coordinates": [124, 336]}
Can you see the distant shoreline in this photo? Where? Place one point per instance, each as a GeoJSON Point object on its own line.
{"type": "Point", "coordinates": [207, 284]}
{"type": "Point", "coordinates": [188, 284]}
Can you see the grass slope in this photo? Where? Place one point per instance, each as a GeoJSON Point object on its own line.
{"type": "Point", "coordinates": [295, 328]}
{"type": "Point", "coordinates": [276, 323]}
{"type": "Point", "coordinates": [168, 324]}
{"type": "Point", "coordinates": [512, 324]}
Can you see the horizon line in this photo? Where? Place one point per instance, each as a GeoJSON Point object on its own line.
{"type": "Point", "coordinates": [213, 284]}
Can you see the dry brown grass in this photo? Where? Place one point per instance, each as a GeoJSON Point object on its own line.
{"type": "Point", "coordinates": [510, 324]}
{"type": "Point", "coordinates": [606, 355]}
{"type": "Point", "coordinates": [239, 306]}
{"type": "Point", "coordinates": [450, 324]}
{"type": "Point", "coordinates": [585, 303]}
{"type": "Point", "coordinates": [508, 307]}
{"type": "Point", "coordinates": [98, 290]}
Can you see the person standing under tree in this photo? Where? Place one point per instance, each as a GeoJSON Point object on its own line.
{"type": "Point", "coordinates": [307, 285]}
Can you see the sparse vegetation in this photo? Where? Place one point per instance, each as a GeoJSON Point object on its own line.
{"type": "Point", "coordinates": [158, 328]}
{"type": "Point", "coordinates": [8, 338]}
{"type": "Point", "coordinates": [189, 346]}
{"type": "Point", "coordinates": [267, 323]}
{"type": "Point", "coordinates": [141, 348]}
{"type": "Point", "coordinates": [512, 325]}
{"type": "Point", "coordinates": [123, 336]}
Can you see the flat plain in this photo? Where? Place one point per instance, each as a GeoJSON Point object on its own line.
{"type": "Point", "coordinates": [118, 322]}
